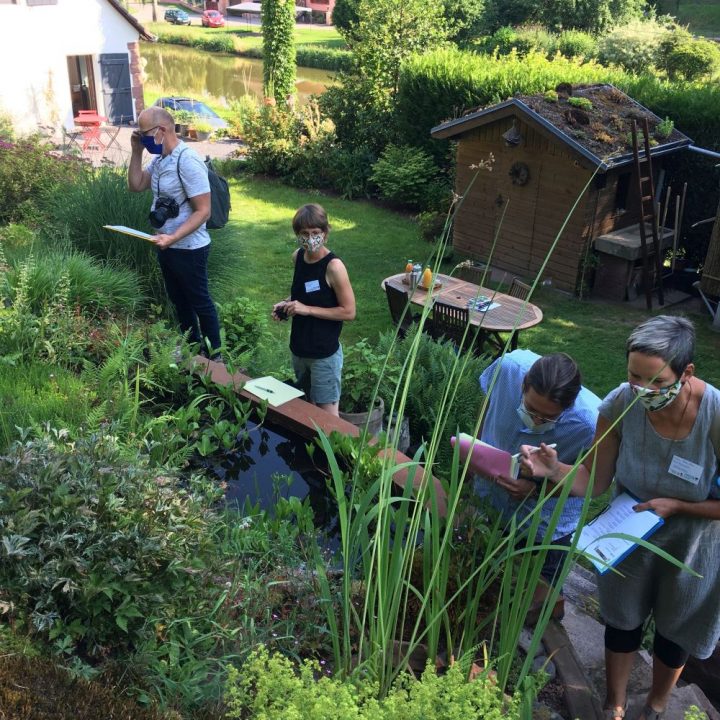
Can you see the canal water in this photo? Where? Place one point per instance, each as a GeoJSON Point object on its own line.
{"type": "Point", "coordinates": [180, 70]}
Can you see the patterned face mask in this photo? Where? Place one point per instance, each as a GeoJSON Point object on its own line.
{"type": "Point", "coordinates": [653, 399]}
{"type": "Point", "coordinates": [312, 242]}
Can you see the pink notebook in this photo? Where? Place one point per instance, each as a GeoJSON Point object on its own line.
{"type": "Point", "coordinates": [486, 459]}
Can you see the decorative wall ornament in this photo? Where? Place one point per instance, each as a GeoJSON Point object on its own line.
{"type": "Point", "coordinates": [519, 173]}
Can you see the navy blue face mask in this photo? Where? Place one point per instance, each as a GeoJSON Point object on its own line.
{"type": "Point", "coordinates": [150, 145]}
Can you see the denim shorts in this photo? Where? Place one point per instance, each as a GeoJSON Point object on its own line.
{"type": "Point", "coordinates": [320, 377]}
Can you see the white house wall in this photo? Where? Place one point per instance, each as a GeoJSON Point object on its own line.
{"type": "Point", "coordinates": [35, 43]}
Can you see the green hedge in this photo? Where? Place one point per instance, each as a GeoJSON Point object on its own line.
{"type": "Point", "coordinates": [324, 58]}
{"type": "Point", "coordinates": [217, 42]}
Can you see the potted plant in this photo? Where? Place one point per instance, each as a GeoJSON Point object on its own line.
{"type": "Point", "coordinates": [361, 369]}
{"type": "Point", "coordinates": [203, 129]}
{"type": "Point", "coordinates": [183, 118]}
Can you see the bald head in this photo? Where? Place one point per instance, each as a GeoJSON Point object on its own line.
{"type": "Point", "coordinates": [156, 116]}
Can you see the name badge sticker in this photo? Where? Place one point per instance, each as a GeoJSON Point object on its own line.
{"type": "Point", "coordinates": [312, 286]}
{"type": "Point", "coordinates": [685, 470]}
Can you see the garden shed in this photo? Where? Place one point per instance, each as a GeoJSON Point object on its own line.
{"type": "Point", "coordinates": [545, 149]}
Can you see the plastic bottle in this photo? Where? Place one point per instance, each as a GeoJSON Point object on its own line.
{"type": "Point", "coordinates": [417, 274]}
{"type": "Point", "coordinates": [408, 272]}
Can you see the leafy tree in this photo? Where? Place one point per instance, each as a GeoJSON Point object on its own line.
{"type": "Point", "coordinates": [386, 33]}
{"type": "Point", "coordinates": [592, 15]}
{"type": "Point", "coordinates": [345, 15]}
{"type": "Point", "coordinates": [279, 67]}
{"type": "Point", "coordinates": [389, 31]}
{"type": "Point", "coordinates": [464, 19]}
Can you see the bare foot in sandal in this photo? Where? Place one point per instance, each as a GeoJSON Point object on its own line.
{"type": "Point", "coordinates": [616, 712]}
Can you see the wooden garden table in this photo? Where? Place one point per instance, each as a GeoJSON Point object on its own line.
{"type": "Point", "coordinates": [510, 316]}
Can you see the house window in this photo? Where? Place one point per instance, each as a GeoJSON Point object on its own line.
{"type": "Point", "coordinates": [622, 191]}
{"type": "Point", "coordinates": [41, 2]}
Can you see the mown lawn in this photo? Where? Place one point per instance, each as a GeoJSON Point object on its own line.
{"type": "Point", "coordinates": [251, 257]}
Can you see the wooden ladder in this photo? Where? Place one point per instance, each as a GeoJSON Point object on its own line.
{"type": "Point", "coordinates": [646, 192]}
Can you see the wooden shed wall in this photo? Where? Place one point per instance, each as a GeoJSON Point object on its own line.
{"type": "Point", "coordinates": [536, 210]}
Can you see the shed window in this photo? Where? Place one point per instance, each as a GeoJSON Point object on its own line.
{"type": "Point", "coordinates": [622, 191]}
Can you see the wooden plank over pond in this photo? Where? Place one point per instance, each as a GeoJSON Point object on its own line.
{"type": "Point", "coordinates": [304, 418]}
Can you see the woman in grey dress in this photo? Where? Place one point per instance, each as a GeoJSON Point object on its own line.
{"type": "Point", "coordinates": [663, 450]}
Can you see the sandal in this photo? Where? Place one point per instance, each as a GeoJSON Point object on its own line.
{"type": "Point", "coordinates": [649, 713]}
{"type": "Point", "coordinates": [615, 713]}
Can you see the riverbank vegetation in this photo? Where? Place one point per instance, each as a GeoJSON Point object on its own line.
{"type": "Point", "coordinates": [314, 48]}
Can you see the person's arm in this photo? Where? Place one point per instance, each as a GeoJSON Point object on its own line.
{"type": "Point", "coordinates": [283, 303]}
{"type": "Point", "coordinates": [667, 507]}
{"type": "Point", "coordinates": [138, 179]}
{"type": "Point", "coordinates": [544, 462]}
{"type": "Point", "coordinates": [200, 205]}
{"type": "Point", "coordinates": [339, 281]}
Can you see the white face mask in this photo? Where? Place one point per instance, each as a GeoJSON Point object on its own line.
{"type": "Point", "coordinates": [529, 422]}
{"type": "Point", "coordinates": [656, 398]}
{"type": "Point", "coordinates": [312, 242]}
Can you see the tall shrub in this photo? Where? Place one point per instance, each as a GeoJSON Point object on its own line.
{"type": "Point", "coordinates": [634, 46]}
{"type": "Point", "coordinates": [278, 27]}
{"type": "Point", "coordinates": [29, 170]}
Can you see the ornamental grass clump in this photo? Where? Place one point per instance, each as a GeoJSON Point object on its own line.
{"type": "Point", "coordinates": [398, 592]}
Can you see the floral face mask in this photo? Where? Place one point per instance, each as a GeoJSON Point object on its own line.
{"type": "Point", "coordinates": [312, 241]}
{"type": "Point", "coordinates": [653, 399]}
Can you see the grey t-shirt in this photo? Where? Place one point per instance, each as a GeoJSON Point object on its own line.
{"type": "Point", "coordinates": [164, 181]}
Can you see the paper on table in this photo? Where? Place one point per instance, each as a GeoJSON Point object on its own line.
{"type": "Point", "coordinates": [486, 459]}
{"type": "Point", "coordinates": [618, 517]}
{"type": "Point", "coordinates": [129, 231]}
{"type": "Point", "coordinates": [272, 390]}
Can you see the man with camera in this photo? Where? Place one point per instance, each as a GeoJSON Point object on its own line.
{"type": "Point", "coordinates": [178, 179]}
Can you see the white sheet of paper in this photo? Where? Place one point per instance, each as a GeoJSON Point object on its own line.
{"type": "Point", "coordinates": [272, 390]}
{"type": "Point", "coordinates": [619, 517]}
{"type": "Point", "coordinates": [129, 231]}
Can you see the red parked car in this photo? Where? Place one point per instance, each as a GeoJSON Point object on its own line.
{"type": "Point", "coordinates": [213, 18]}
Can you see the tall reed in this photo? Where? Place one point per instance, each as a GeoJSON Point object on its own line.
{"type": "Point", "coordinates": [387, 531]}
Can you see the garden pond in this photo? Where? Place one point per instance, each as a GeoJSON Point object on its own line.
{"type": "Point", "coordinates": [271, 464]}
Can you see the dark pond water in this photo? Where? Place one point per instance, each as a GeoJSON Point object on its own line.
{"type": "Point", "coordinates": [253, 471]}
{"type": "Point", "coordinates": [178, 70]}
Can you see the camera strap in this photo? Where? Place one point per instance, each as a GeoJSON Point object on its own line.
{"type": "Point", "coordinates": [182, 184]}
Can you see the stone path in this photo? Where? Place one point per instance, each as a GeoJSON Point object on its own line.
{"type": "Point", "coordinates": [586, 636]}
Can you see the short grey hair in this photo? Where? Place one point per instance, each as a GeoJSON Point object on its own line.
{"type": "Point", "coordinates": [669, 337]}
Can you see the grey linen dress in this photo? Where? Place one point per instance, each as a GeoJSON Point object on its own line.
{"type": "Point", "coordinates": [686, 608]}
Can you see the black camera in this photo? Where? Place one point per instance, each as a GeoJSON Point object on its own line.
{"type": "Point", "coordinates": [165, 208]}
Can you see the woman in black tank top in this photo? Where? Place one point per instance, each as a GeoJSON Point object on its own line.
{"type": "Point", "coordinates": [321, 298]}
